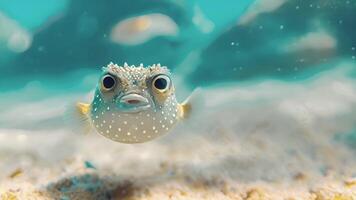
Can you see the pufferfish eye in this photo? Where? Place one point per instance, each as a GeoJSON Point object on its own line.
{"type": "Point", "coordinates": [108, 82]}
{"type": "Point", "coordinates": [161, 82]}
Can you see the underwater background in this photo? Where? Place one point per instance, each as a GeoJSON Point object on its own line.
{"type": "Point", "coordinates": [279, 81]}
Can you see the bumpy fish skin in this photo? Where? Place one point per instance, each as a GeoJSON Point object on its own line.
{"type": "Point", "coordinates": [113, 121]}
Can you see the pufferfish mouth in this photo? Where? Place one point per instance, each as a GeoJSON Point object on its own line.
{"type": "Point", "coordinates": [133, 103]}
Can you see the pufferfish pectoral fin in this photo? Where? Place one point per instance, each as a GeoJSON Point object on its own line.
{"type": "Point", "coordinates": [192, 105]}
{"type": "Point", "coordinates": [78, 118]}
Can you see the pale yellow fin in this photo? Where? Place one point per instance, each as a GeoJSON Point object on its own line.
{"type": "Point", "coordinates": [78, 118]}
{"type": "Point", "coordinates": [184, 110]}
{"type": "Point", "coordinates": [191, 105]}
{"type": "Point", "coordinates": [83, 108]}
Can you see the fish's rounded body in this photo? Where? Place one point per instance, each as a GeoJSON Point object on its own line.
{"type": "Point", "coordinates": [133, 104]}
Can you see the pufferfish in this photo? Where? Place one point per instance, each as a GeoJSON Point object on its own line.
{"type": "Point", "coordinates": [133, 104]}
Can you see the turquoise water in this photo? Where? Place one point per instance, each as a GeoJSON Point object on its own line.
{"type": "Point", "coordinates": [275, 114]}
{"type": "Point", "coordinates": [55, 49]}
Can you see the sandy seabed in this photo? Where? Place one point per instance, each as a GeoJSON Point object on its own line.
{"type": "Point", "coordinates": [157, 170]}
{"type": "Point", "coordinates": [266, 141]}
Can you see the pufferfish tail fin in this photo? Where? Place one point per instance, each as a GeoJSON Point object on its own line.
{"type": "Point", "coordinates": [77, 116]}
{"type": "Point", "coordinates": [193, 105]}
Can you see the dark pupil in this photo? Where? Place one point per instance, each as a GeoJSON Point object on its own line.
{"type": "Point", "coordinates": [108, 82]}
{"type": "Point", "coordinates": [161, 83]}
